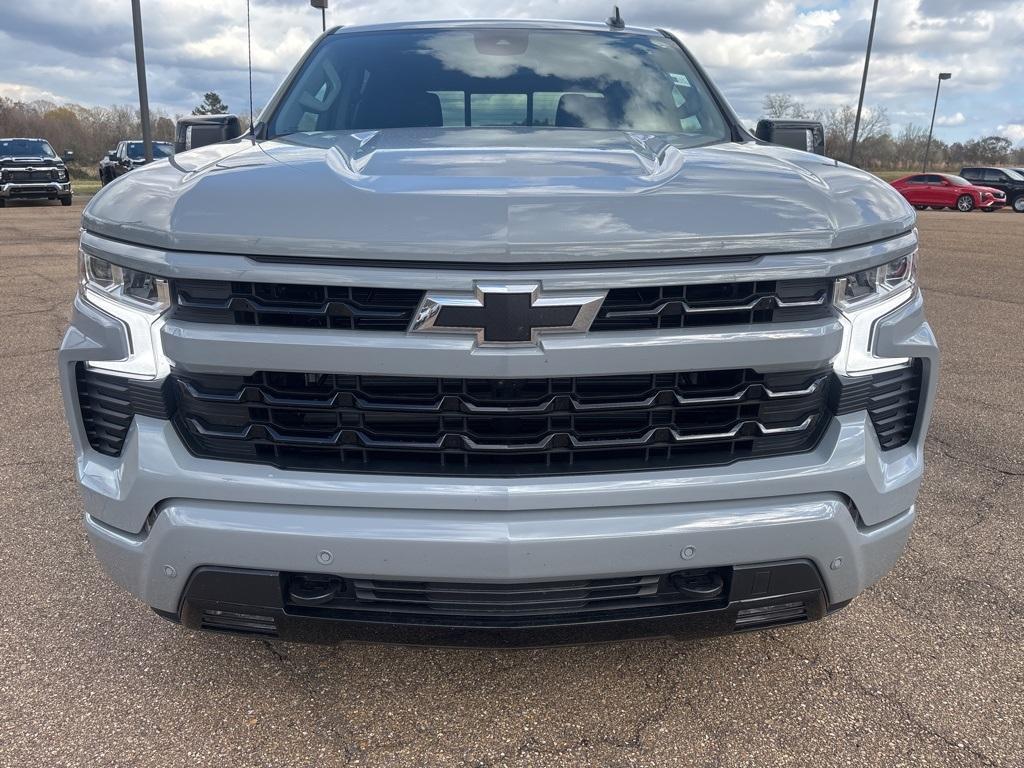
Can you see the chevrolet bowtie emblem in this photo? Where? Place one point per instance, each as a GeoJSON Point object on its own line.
{"type": "Point", "coordinates": [507, 313]}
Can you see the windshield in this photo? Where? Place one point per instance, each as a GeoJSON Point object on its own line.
{"type": "Point", "coordinates": [499, 77]}
{"type": "Point", "coordinates": [136, 150]}
{"type": "Point", "coordinates": [1015, 175]}
{"type": "Point", "coordinates": [26, 148]}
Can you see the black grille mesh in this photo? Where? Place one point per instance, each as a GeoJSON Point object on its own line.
{"type": "Point", "coordinates": [392, 309]}
{"type": "Point", "coordinates": [687, 306]}
{"type": "Point", "coordinates": [295, 306]}
{"type": "Point", "coordinates": [411, 425]}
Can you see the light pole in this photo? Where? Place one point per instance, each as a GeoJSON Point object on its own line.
{"type": "Point", "coordinates": [140, 67]}
{"type": "Point", "coordinates": [322, 5]}
{"type": "Point", "coordinates": [928, 146]}
{"type": "Point", "coordinates": [863, 81]}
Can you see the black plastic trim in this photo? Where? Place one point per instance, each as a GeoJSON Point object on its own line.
{"type": "Point", "coordinates": [252, 599]}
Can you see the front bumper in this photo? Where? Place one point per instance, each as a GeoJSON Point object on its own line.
{"type": "Point", "coordinates": [156, 514]}
{"type": "Point", "coordinates": [49, 189]}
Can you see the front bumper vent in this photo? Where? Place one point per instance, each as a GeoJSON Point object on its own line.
{"type": "Point", "coordinates": [108, 404]}
{"type": "Point", "coordinates": [891, 399]}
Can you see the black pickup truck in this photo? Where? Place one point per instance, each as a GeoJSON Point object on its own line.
{"type": "Point", "coordinates": [30, 169]}
{"type": "Point", "coordinates": [1007, 180]}
{"type": "Point", "coordinates": [129, 155]}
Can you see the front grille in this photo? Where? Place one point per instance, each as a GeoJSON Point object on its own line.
{"type": "Point", "coordinates": [688, 306]}
{"type": "Point", "coordinates": [35, 175]}
{"type": "Point", "coordinates": [108, 404]}
{"type": "Point", "coordinates": [484, 604]}
{"type": "Point", "coordinates": [392, 309]}
{"type": "Point", "coordinates": [433, 426]}
{"type": "Point", "coordinates": [891, 400]}
{"type": "Point", "coordinates": [295, 306]}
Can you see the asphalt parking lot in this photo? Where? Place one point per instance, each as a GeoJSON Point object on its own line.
{"type": "Point", "coordinates": [925, 669]}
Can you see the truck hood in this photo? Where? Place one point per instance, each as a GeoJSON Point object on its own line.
{"type": "Point", "coordinates": [17, 161]}
{"type": "Point", "coordinates": [496, 196]}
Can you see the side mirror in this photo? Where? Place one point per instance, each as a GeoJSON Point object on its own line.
{"type": "Point", "coordinates": [112, 155]}
{"type": "Point", "coordinates": [68, 156]}
{"type": "Point", "coordinates": [199, 130]}
{"type": "Point", "coordinates": [807, 135]}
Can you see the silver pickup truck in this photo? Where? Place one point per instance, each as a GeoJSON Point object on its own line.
{"type": "Point", "coordinates": [498, 333]}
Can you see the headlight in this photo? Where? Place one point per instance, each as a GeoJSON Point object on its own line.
{"type": "Point", "coordinates": [139, 300]}
{"type": "Point", "coordinates": [863, 298]}
{"type": "Point", "coordinates": [869, 286]}
{"type": "Point", "coordinates": [124, 284]}
{"type": "Point", "coordinates": [62, 174]}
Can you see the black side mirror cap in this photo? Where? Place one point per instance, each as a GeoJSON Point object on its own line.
{"type": "Point", "coordinates": [68, 156]}
{"type": "Point", "coordinates": [807, 135]}
{"type": "Point", "coordinates": [199, 130]}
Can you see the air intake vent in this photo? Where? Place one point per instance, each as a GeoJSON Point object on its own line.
{"type": "Point", "coordinates": [771, 615]}
{"type": "Point", "coordinates": [108, 404]}
{"type": "Point", "coordinates": [239, 623]}
{"type": "Point", "coordinates": [890, 398]}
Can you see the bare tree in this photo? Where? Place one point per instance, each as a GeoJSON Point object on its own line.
{"type": "Point", "coordinates": [780, 105]}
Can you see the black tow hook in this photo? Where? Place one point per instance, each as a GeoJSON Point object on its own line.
{"type": "Point", "coordinates": [698, 585]}
{"type": "Point", "coordinates": [314, 590]}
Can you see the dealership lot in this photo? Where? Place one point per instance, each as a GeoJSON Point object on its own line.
{"type": "Point", "coordinates": [924, 669]}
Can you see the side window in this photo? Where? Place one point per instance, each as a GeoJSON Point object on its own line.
{"type": "Point", "coordinates": [931, 178]}
{"type": "Point", "coordinates": [991, 174]}
{"type": "Point", "coordinates": [916, 179]}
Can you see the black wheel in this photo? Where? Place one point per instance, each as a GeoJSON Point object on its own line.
{"type": "Point", "coordinates": [965, 203]}
{"type": "Point", "coordinates": [921, 207]}
{"type": "Point", "coordinates": [65, 200]}
{"type": "Point", "coordinates": [3, 202]}
{"type": "Point", "coordinates": [1018, 204]}
{"type": "Point", "coordinates": [988, 210]}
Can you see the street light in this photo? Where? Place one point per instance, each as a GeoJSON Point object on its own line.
{"type": "Point", "coordinates": [928, 146]}
{"type": "Point", "coordinates": [863, 81]}
{"type": "Point", "coordinates": [140, 71]}
{"type": "Point", "coordinates": [322, 5]}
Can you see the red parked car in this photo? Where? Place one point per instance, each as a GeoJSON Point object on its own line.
{"type": "Point", "coordinates": [944, 190]}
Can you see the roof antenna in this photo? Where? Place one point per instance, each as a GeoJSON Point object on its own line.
{"type": "Point", "coordinates": [615, 20]}
{"type": "Point", "coordinates": [248, 32]}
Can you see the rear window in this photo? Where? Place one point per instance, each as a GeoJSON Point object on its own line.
{"type": "Point", "coordinates": [510, 78]}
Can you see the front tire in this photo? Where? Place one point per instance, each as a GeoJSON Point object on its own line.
{"type": "Point", "coordinates": [965, 203]}
{"type": "Point", "coordinates": [1018, 204]}
{"type": "Point", "coordinates": [65, 201]}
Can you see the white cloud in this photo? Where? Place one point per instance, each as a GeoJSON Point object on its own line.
{"type": "Point", "coordinates": [27, 93]}
{"type": "Point", "coordinates": [811, 48]}
{"type": "Point", "coordinates": [1013, 131]}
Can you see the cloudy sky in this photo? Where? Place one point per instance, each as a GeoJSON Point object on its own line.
{"type": "Point", "coordinates": [81, 50]}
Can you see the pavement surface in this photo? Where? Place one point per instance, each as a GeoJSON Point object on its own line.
{"type": "Point", "coordinates": [924, 669]}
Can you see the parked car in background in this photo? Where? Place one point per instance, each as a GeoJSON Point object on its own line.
{"type": "Point", "coordinates": [944, 190]}
{"type": "Point", "coordinates": [29, 168]}
{"type": "Point", "coordinates": [132, 154]}
{"type": "Point", "coordinates": [1007, 180]}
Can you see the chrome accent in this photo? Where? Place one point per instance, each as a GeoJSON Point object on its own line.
{"type": "Point", "coordinates": [435, 407]}
{"type": "Point", "coordinates": [467, 442]}
{"type": "Point", "coordinates": [434, 301]}
{"type": "Point", "coordinates": [781, 303]}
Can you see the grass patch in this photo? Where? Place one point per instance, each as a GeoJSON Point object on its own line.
{"type": "Point", "coordinates": [85, 186]}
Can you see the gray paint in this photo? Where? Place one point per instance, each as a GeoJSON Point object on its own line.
{"type": "Point", "coordinates": [551, 196]}
{"type": "Point", "coordinates": [555, 198]}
